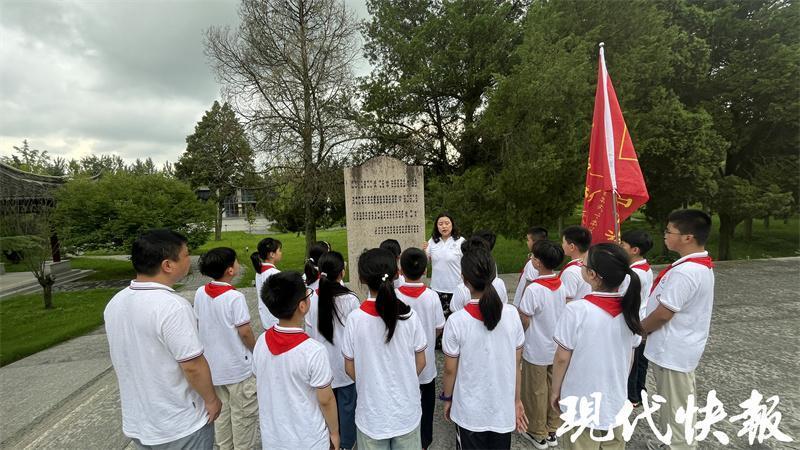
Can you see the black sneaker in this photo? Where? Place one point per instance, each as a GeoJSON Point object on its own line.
{"type": "Point", "coordinates": [552, 441]}
{"type": "Point", "coordinates": [541, 444]}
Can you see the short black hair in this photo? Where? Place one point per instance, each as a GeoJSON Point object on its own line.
{"type": "Point", "coordinates": [474, 242]}
{"type": "Point", "coordinates": [692, 221]}
{"type": "Point", "coordinates": [639, 239]}
{"type": "Point", "coordinates": [487, 236]}
{"type": "Point", "coordinates": [216, 261]}
{"type": "Point", "coordinates": [537, 232]}
{"type": "Point", "coordinates": [392, 245]}
{"type": "Point", "coordinates": [549, 253]}
{"type": "Point", "coordinates": [152, 247]}
{"type": "Point", "coordinates": [578, 235]}
{"type": "Point", "coordinates": [414, 262]}
{"type": "Point", "coordinates": [282, 293]}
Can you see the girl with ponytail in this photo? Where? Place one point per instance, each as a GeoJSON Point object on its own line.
{"type": "Point", "coordinates": [483, 345]}
{"type": "Point", "coordinates": [264, 260]}
{"type": "Point", "coordinates": [325, 321]}
{"type": "Point", "coordinates": [596, 337]}
{"type": "Point", "coordinates": [384, 349]}
{"type": "Point", "coordinates": [311, 269]}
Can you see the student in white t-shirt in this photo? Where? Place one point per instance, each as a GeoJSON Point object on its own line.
{"type": "Point", "coordinates": [393, 246]}
{"type": "Point", "coordinates": [311, 271]}
{"type": "Point", "coordinates": [529, 273]}
{"type": "Point", "coordinates": [156, 352]}
{"type": "Point", "coordinates": [637, 243]}
{"type": "Point", "coordinates": [265, 260]}
{"type": "Point", "coordinates": [575, 241]}
{"type": "Point", "coordinates": [325, 322]}
{"type": "Point", "coordinates": [426, 305]}
{"type": "Point", "coordinates": [296, 405]}
{"type": "Point", "coordinates": [444, 251]}
{"type": "Point", "coordinates": [679, 316]}
{"type": "Point", "coordinates": [483, 345]}
{"type": "Point", "coordinates": [224, 323]}
{"type": "Point", "coordinates": [461, 295]}
{"type": "Point", "coordinates": [596, 336]}
{"type": "Point", "coordinates": [384, 351]}
{"type": "Point", "coordinates": [539, 309]}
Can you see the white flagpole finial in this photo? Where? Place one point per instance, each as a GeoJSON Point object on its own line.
{"type": "Point", "coordinates": [602, 44]}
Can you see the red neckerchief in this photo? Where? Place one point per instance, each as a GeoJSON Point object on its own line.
{"type": "Point", "coordinates": [474, 310]}
{"type": "Point", "coordinates": [552, 283]}
{"type": "Point", "coordinates": [611, 305]}
{"type": "Point", "coordinates": [641, 265]}
{"type": "Point", "coordinates": [574, 262]}
{"type": "Point", "coordinates": [369, 307]}
{"type": "Point", "coordinates": [215, 290]}
{"type": "Point", "coordinates": [412, 291]}
{"type": "Point", "coordinates": [282, 341]}
{"type": "Point", "coordinates": [267, 266]}
{"type": "Point", "coordinates": [702, 260]}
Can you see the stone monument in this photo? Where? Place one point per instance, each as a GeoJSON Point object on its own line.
{"type": "Point", "coordinates": [384, 199]}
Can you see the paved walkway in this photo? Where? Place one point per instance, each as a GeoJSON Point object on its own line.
{"type": "Point", "coordinates": [67, 397]}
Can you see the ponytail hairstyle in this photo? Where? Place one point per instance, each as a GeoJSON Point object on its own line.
{"type": "Point", "coordinates": [331, 265]}
{"type": "Point", "coordinates": [611, 263]}
{"type": "Point", "coordinates": [265, 247]}
{"type": "Point", "coordinates": [315, 252]}
{"type": "Point", "coordinates": [478, 270]}
{"type": "Point", "coordinates": [377, 268]}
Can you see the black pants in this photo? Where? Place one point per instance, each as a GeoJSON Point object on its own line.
{"type": "Point", "coordinates": [638, 375]}
{"type": "Point", "coordinates": [428, 398]}
{"type": "Point", "coordinates": [473, 440]}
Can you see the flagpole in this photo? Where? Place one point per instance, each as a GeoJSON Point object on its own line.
{"type": "Point", "coordinates": [610, 154]}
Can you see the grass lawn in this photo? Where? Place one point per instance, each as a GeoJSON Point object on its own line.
{"type": "Point", "coordinates": [781, 239]}
{"type": "Point", "coordinates": [26, 327]}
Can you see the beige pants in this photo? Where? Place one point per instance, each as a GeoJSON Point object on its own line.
{"type": "Point", "coordinates": [585, 441]}
{"type": "Point", "coordinates": [675, 387]}
{"type": "Point", "coordinates": [235, 428]}
{"type": "Point", "coordinates": [536, 382]}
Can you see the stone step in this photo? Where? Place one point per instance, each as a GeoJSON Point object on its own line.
{"type": "Point", "coordinates": [33, 285]}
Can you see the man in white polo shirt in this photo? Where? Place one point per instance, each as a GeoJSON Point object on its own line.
{"type": "Point", "coordinates": [167, 397]}
{"type": "Point", "coordinates": [679, 317]}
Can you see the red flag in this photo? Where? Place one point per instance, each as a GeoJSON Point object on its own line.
{"type": "Point", "coordinates": [613, 166]}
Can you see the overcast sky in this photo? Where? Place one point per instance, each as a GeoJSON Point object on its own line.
{"type": "Point", "coordinates": [130, 78]}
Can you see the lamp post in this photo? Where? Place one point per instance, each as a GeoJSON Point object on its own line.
{"type": "Point", "coordinates": [203, 193]}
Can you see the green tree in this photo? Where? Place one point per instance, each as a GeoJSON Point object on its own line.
{"type": "Point", "coordinates": [217, 156]}
{"type": "Point", "coordinates": [35, 161]}
{"type": "Point", "coordinates": [434, 62]}
{"type": "Point", "coordinates": [753, 94]}
{"type": "Point", "coordinates": [289, 65]}
{"type": "Point", "coordinates": [112, 211]}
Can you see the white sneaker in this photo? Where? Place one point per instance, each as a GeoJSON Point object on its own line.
{"type": "Point", "coordinates": [552, 440]}
{"type": "Point", "coordinates": [540, 444]}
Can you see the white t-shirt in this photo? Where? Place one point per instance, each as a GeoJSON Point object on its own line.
{"type": "Point", "coordinates": [574, 286]}
{"type": "Point", "coordinates": [430, 313]}
{"type": "Point", "coordinates": [289, 413]}
{"type": "Point", "coordinates": [602, 348]}
{"type": "Point", "coordinates": [399, 281]}
{"type": "Point", "coordinates": [386, 373]}
{"type": "Point", "coordinates": [218, 318]}
{"type": "Point", "coordinates": [345, 304]}
{"type": "Point", "coordinates": [529, 273]}
{"type": "Point", "coordinates": [150, 330]}
{"type": "Point", "coordinates": [462, 296]}
{"type": "Point", "coordinates": [687, 290]}
{"type": "Point", "coordinates": [483, 396]}
{"type": "Point", "coordinates": [642, 269]}
{"type": "Point", "coordinates": [544, 307]}
{"type": "Point", "coordinates": [267, 319]}
{"type": "Point", "coordinates": [445, 263]}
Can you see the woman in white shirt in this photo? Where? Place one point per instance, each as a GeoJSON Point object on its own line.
{"type": "Point", "coordinates": [444, 251]}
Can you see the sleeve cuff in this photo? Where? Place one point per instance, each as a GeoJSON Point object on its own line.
{"type": "Point", "coordinates": [422, 349]}
{"type": "Point", "coordinates": [325, 385]}
{"type": "Point", "coordinates": [668, 306]}
{"type": "Point", "coordinates": [189, 358]}
{"type": "Point", "coordinates": [246, 322]}
{"type": "Point", "coordinates": [561, 344]}
{"type": "Point", "coordinates": [450, 354]}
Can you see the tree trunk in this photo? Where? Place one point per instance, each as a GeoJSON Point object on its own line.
{"type": "Point", "coordinates": [55, 247]}
{"type": "Point", "coordinates": [560, 225]}
{"type": "Point", "coordinates": [727, 226]}
{"type": "Point", "coordinates": [766, 223]}
{"type": "Point", "coordinates": [748, 229]}
{"type": "Point", "coordinates": [47, 288]}
{"type": "Point", "coordinates": [310, 226]}
{"type": "Point", "coordinates": [218, 222]}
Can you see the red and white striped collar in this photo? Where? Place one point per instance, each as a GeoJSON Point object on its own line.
{"type": "Point", "coordinates": [546, 277]}
{"type": "Point", "coordinates": [641, 262]}
{"type": "Point", "coordinates": [606, 294]}
{"type": "Point", "coordinates": [691, 255]}
{"type": "Point", "coordinates": [287, 330]}
{"type": "Point", "coordinates": [149, 286]}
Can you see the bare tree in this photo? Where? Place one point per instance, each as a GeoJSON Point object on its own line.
{"type": "Point", "coordinates": [287, 71]}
